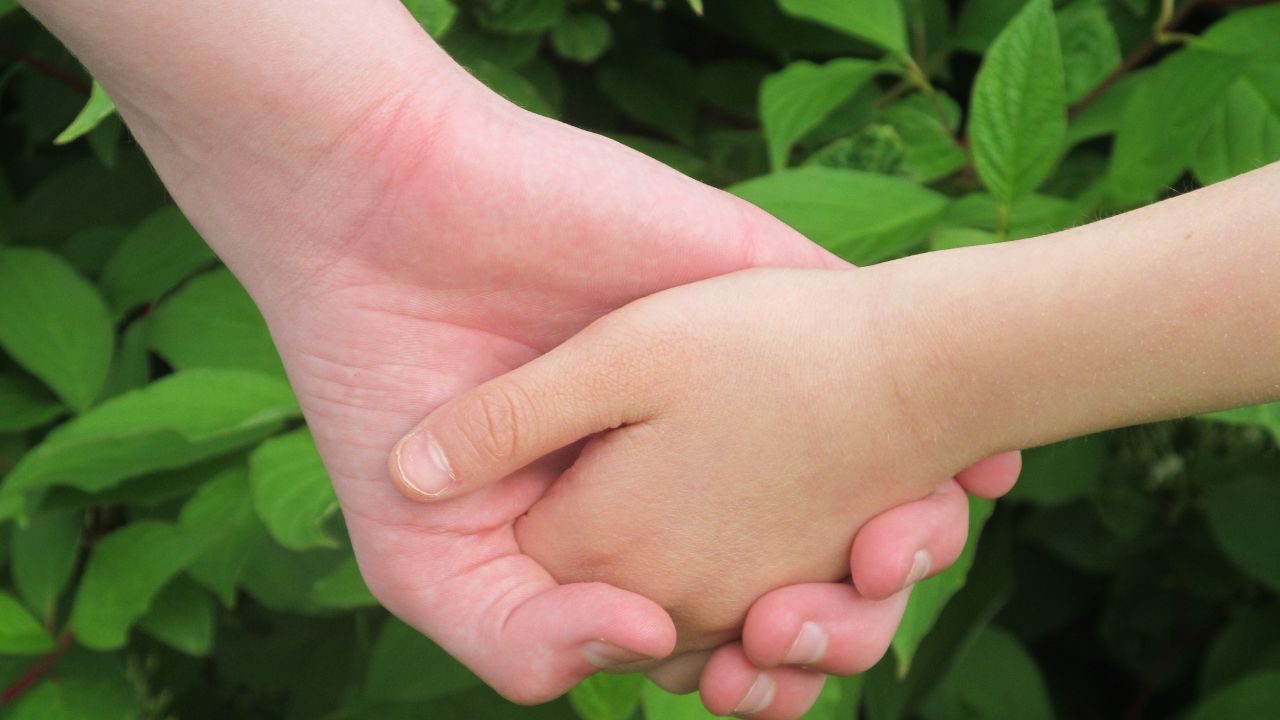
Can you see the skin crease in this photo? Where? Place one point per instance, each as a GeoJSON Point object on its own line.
{"type": "Point", "coordinates": [407, 235]}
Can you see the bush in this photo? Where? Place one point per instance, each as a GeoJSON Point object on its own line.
{"type": "Point", "coordinates": [154, 567]}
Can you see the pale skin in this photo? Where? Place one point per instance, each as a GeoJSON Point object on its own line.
{"type": "Point", "coordinates": [409, 235]}
{"type": "Point", "coordinates": [790, 404]}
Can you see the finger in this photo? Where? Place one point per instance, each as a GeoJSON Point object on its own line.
{"type": "Point", "coordinates": [580, 388]}
{"type": "Point", "coordinates": [500, 613]}
{"type": "Point", "coordinates": [681, 673]}
{"type": "Point", "coordinates": [992, 477]}
{"type": "Point", "coordinates": [732, 685]}
{"type": "Point", "coordinates": [909, 543]}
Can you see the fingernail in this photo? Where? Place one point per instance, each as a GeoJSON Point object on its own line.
{"type": "Point", "coordinates": [758, 697]}
{"type": "Point", "coordinates": [604, 655]}
{"type": "Point", "coordinates": [919, 567]}
{"type": "Point", "coordinates": [809, 647]}
{"type": "Point", "coordinates": [422, 465]}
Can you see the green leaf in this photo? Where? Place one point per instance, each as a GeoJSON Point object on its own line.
{"type": "Point", "coordinates": [1242, 516]}
{"type": "Point", "coordinates": [435, 16]}
{"type": "Point", "coordinates": [662, 705]}
{"type": "Point", "coordinates": [948, 238]}
{"type": "Point", "coordinates": [1163, 120]}
{"type": "Point", "coordinates": [20, 634]}
{"type": "Point", "coordinates": [157, 255]}
{"type": "Point", "coordinates": [795, 100]}
{"type": "Point", "coordinates": [1034, 214]}
{"type": "Point", "coordinates": [181, 616]}
{"type": "Point", "coordinates": [657, 89]}
{"type": "Point", "coordinates": [211, 322]}
{"type": "Point", "coordinates": [519, 16]}
{"type": "Point", "coordinates": [292, 492]}
{"type": "Point", "coordinates": [124, 573]}
{"type": "Point", "coordinates": [995, 678]}
{"type": "Point", "coordinates": [1266, 416]}
{"type": "Point", "coordinates": [1257, 696]}
{"type": "Point", "coordinates": [581, 36]}
{"type": "Point", "coordinates": [1244, 132]}
{"type": "Point", "coordinates": [174, 422]}
{"type": "Point", "coordinates": [932, 152]}
{"type": "Point", "coordinates": [221, 512]}
{"type": "Point", "coordinates": [54, 324]}
{"type": "Point", "coordinates": [344, 588]}
{"type": "Point", "coordinates": [696, 5]}
{"type": "Point", "coordinates": [1059, 473]}
{"type": "Point", "coordinates": [877, 21]}
{"type": "Point", "coordinates": [1251, 32]}
{"type": "Point", "coordinates": [97, 109]}
{"type": "Point", "coordinates": [407, 667]}
{"type": "Point", "coordinates": [863, 217]}
{"type": "Point", "coordinates": [25, 403]}
{"type": "Point", "coordinates": [510, 85]}
{"type": "Point", "coordinates": [1090, 49]}
{"type": "Point", "coordinates": [1250, 643]}
{"type": "Point", "coordinates": [607, 697]}
{"type": "Point", "coordinates": [86, 194]}
{"type": "Point", "coordinates": [980, 21]}
{"type": "Point", "coordinates": [929, 597]}
{"type": "Point", "coordinates": [44, 555]}
{"type": "Point", "coordinates": [1018, 117]}
{"type": "Point", "coordinates": [282, 579]}
{"type": "Point", "coordinates": [84, 687]}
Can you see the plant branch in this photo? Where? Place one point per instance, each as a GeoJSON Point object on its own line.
{"type": "Point", "coordinates": [37, 670]}
{"type": "Point", "coordinates": [1168, 23]}
{"type": "Point", "coordinates": [49, 70]}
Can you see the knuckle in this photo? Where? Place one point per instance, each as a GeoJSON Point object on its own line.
{"type": "Point", "coordinates": [493, 421]}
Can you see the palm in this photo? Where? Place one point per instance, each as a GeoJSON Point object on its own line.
{"type": "Point", "coordinates": [471, 266]}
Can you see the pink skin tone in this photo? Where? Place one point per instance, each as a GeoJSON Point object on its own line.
{"type": "Point", "coordinates": [409, 235]}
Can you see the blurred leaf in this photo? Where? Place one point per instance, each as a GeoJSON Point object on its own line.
{"type": "Point", "coordinates": [158, 254]}
{"type": "Point", "coordinates": [1090, 50]}
{"type": "Point", "coordinates": [211, 322]}
{"type": "Point", "coordinates": [468, 45]}
{"type": "Point", "coordinates": [176, 421]}
{"type": "Point", "coordinates": [839, 699]}
{"type": "Point", "coordinates": [1242, 515]}
{"type": "Point", "coordinates": [581, 36]}
{"type": "Point", "coordinates": [1062, 472]}
{"type": "Point", "coordinates": [932, 152]}
{"type": "Point", "coordinates": [607, 697]}
{"type": "Point", "coordinates": [181, 616]}
{"type": "Point", "coordinates": [89, 250]}
{"type": "Point", "coordinates": [131, 366]}
{"type": "Point", "coordinates": [1249, 31]}
{"type": "Point", "coordinates": [929, 597]}
{"type": "Point", "coordinates": [222, 512]}
{"type": "Point", "coordinates": [797, 99]}
{"type": "Point", "coordinates": [85, 687]}
{"type": "Point", "coordinates": [86, 194]}
{"type": "Point", "coordinates": [1267, 416]}
{"type": "Point", "coordinates": [343, 588]}
{"type": "Point", "coordinates": [862, 217]}
{"type": "Point", "coordinates": [44, 555]}
{"type": "Point", "coordinates": [1257, 696]}
{"type": "Point", "coordinates": [519, 16]}
{"type": "Point", "coordinates": [20, 634]}
{"type": "Point", "coordinates": [657, 89]}
{"type": "Point", "coordinates": [1102, 116]}
{"type": "Point", "coordinates": [407, 667]}
{"type": "Point", "coordinates": [1018, 120]}
{"type": "Point", "coordinates": [282, 579]}
{"type": "Point", "coordinates": [671, 155]}
{"type": "Point", "coordinates": [1244, 132]}
{"type": "Point", "coordinates": [995, 678]}
{"type": "Point", "coordinates": [54, 324]}
{"type": "Point", "coordinates": [510, 85]}
{"type": "Point", "coordinates": [980, 21]}
{"type": "Point", "coordinates": [125, 572]}
{"type": "Point", "coordinates": [661, 705]}
{"type": "Point", "coordinates": [1250, 643]}
{"type": "Point", "coordinates": [1034, 214]}
{"type": "Point", "coordinates": [1164, 119]}
{"type": "Point", "coordinates": [292, 492]}
{"type": "Point", "coordinates": [947, 238]}
{"type": "Point", "coordinates": [878, 21]}
{"type": "Point", "coordinates": [435, 16]}
{"type": "Point", "coordinates": [25, 403]}
{"type": "Point", "coordinates": [98, 107]}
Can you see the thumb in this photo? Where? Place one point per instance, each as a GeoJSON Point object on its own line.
{"type": "Point", "coordinates": [582, 387]}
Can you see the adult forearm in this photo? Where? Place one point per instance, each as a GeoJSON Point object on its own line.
{"type": "Point", "coordinates": [1159, 313]}
{"type": "Point", "coordinates": [238, 103]}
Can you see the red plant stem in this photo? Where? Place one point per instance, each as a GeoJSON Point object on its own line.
{"type": "Point", "coordinates": [37, 670]}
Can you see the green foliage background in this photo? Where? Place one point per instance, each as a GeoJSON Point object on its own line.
{"type": "Point", "coordinates": [170, 546]}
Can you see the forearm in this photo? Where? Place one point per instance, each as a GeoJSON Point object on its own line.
{"type": "Point", "coordinates": [1163, 312]}
{"type": "Point", "coordinates": [238, 103]}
